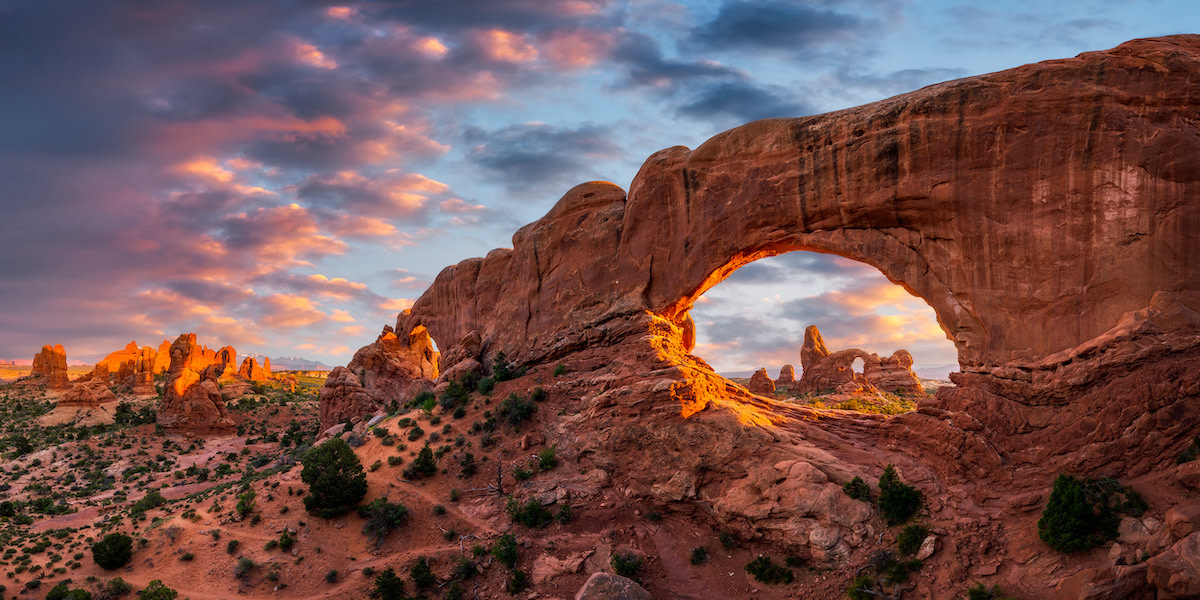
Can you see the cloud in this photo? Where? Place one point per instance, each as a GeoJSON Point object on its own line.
{"type": "Point", "coordinates": [533, 155]}
{"type": "Point", "coordinates": [797, 27]}
{"type": "Point", "coordinates": [741, 101]}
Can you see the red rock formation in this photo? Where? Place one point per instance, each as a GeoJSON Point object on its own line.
{"type": "Point", "coordinates": [1049, 215]}
{"type": "Point", "coordinates": [192, 400]}
{"type": "Point", "coordinates": [761, 384]}
{"type": "Point", "coordinates": [130, 367]}
{"type": "Point", "coordinates": [51, 365]}
{"type": "Point", "coordinates": [787, 378]}
{"type": "Point", "coordinates": [825, 371]}
{"type": "Point", "coordinates": [378, 375]}
{"type": "Point", "coordinates": [226, 360]}
{"type": "Point", "coordinates": [266, 367]}
{"type": "Point", "coordinates": [251, 371]}
{"type": "Point", "coordinates": [89, 394]}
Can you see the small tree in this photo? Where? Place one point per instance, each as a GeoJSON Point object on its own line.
{"type": "Point", "coordinates": [112, 552]}
{"type": "Point", "coordinates": [1078, 515]}
{"type": "Point", "coordinates": [63, 591]}
{"type": "Point", "coordinates": [421, 573]}
{"type": "Point", "coordinates": [335, 478]}
{"type": "Point", "coordinates": [388, 586]}
{"type": "Point", "coordinates": [424, 465]}
{"type": "Point", "coordinates": [505, 550]}
{"type": "Point", "coordinates": [897, 501]}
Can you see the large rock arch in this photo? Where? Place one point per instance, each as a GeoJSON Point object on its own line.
{"type": "Point", "coordinates": [1046, 212]}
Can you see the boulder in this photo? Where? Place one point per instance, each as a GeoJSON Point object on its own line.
{"type": "Point", "coordinates": [1182, 520]}
{"type": "Point", "coordinates": [1188, 474]}
{"type": "Point", "coordinates": [1121, 582]}
{"type": "Point", "coordinates": [51, 365]}
{"type": "Point", "coordinates": [1176, 572]}
{"type": "Point", "coordinates": [88, 394]}
{"type": "Point", "coordinates": [607, 586]}
{"type": "Point", "coordinates": [761, 384]}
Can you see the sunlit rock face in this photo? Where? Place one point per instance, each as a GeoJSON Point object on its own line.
{"type": "Point", "coordinates": [51, 365]}
{"type": "Point", "coordinates": [393, 369]}
{"type": "Point", "coordinates": [1049, 214]}
{"type": "Point", "coordinates": [192, 399]}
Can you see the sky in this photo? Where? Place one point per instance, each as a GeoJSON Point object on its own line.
{"type": "Point", "coordinates": [285, 176]}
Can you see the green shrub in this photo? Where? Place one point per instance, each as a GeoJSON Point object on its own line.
{"type": "Point", "coordinates": [516, 410]}
{"type": "Point", "coordinates": [521, 474]}
{"type": "Point", "coordinates": [626, 564]}
{"type": "Point", "coordinates": [117, 587]}
{"type": "Point", "coordinates": [63, 591]}
{"type": "Point", "coordinates": [538, 394]}
{"type": "Point", "coordinates": [1083, 513]}
{"type": "Point", "coordinates": [501, 370]}
{"type": "Point", "coordinates": [424, 465]}
{"type": "Point", "coordinates": [232, 546]}
{"type": "Point", "coordinates": [505, 550]}
{"type": "Point", "coordinates": [530, 514]}
{"type": "Point", "coordinates": [155, 590]}
{"type": "Point", "coordinates": [564, 514]}
{"type": "Point", "coordinates": [286, 541]}
{"type": "Point", "coordinates": [335, 478]}
{"type": "Point", "coordinates": [727, 539]}
{"type": "Point", "coordinates": [858, 589]}
{"type": "Point", "coordinates": [547, 458]}
{"type": "Point", "coordinates": [699, 555]}
{"type": "Point", "coordinates": [388, 586]}
{"type": "Point", "coordinates": [486, 385]}
{"type": "Point", "coordinates": [331, 576]}
{"type": "Point", "coordinates": [415, 433]}
{"type": "Point", "coordinates": [898, 501]}
{"type": "Point", "coordinates": [560, 369]}
{"type": "Point", "coordinates": [149, 501]}
{"type": "Point", "coordinates": [112, 552]}
{"type": "Point", "coordinates": [421, 573]}
{"type": "Point", "coordinates": [244, 567]}
{"type": "Point", "coordinates": [858, 489]}
{"type": "Point", "coordinates": [464, 569]}
{"type": "Point", "coordinates": [245, 502]}
{"type": "Point", "coordinates": [467, 464]}
{"type": "Point", "coordinates": [767, 572]}
{"type": "Point", "coordinates": [517, 583]}
{"type": "Point", "coordinates": [909, 540]}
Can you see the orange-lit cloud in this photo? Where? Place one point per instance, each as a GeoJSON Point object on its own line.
{"type": "Point", "coordinates": [577, 49]}
{"type": "Point", "coordinates": [309, 54]}
{"type": "Point", "coordinates": [431, 47]}
{"type": "Point", "coordinates": [457, 205]}
{"type": "Point", "coordinates": [506, 46]}
{"type": "Point", "coordinates": [396, 305]}
{"type": "Point", "coordinates": [341, 12]}
{"type": "Point", "coordinates": [289, 311]}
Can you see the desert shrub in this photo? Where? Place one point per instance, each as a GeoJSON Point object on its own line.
{"type": "Point", "coordinates": [486, 385]}
{"type": "Point", "coordinates": [1083, 513]}
{"type": "Point", "coordinates": [898, 501]}
{"type": "Point", "coordinates": [464, 569]}
{"type": "Point", "coordinates": [467, 464]}
{"type": "Point", "coordinates": [858, 590]}
{"type": "Point", "coordinates": [1190, 453]}
{"type": "Point", "coordinates": [112, 552]}
{"type": "Point", "coordinates": [117, 587]}
{"type": "Point", "coordinates": [727, 539]}
{"type": "Point", "coordinates": [63, 591]}
{"type": "Point", "coordinates": [517, 582]}
{"type": "Point", "coordinates": [388, 586]}
{"type": "Point", "coordinates": [516, 410]}
{"type": "Point", "coordinates": [521, 474]}
{"type": "Point", "coordinates": [858, 489]}
{"type": "Point", "coordinates": [381, 518]}
{"type": "Point", "coordinates": [538, 394]}
{"type": "Point", "coordinates": [395, 460]}
{"type": "Point", "coordinates": [156, 590]}
{"type": "Point", "coordinates": [455, 395]}
{"type": "Point", "coordinates": [699, 555]}
{"type": "Point", "coordinates": [421, 573]}
{"type": "Point", "coordinates": [767, 572]}
{"type": "Point", "coordinates": [147, 502]}
{"type": "Point", "coordinates": [423, 466]}
{"type": "Point", "coordinates": [232, 546]}
{"type": "Point", "coordinates": [331, 576]}
{"type": "Point", "coordinates": [335, 478]}
{"type": "Point", "coordinates": [530, 514]}
{"type": "Point", "coordinates": [909, 540]}
{"type": "Point", "coordinates": [415, 433]}
{"type": "Point", "coordinates": [626, 564]}
{"type": "Point", "coordinates": [505, 550]}
{"type": "Point", "coordinates": [564, 514]}
{"type": "Point", "coordinates": [187, 557]}
{"type": "Point", "coordinates": [560, 369]}
{"type": "Point", "coordinates": [244, 567]}
{"type": "Point", "coordinates": [455, 592]}
{"type": "Point", "coordinates": [286, 541]}
{"type": "Point", "coordinates": [547, 458]}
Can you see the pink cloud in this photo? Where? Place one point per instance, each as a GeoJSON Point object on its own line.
{"type": "Point", "coordinates": [577, 49]}
{"type": "Point", "coordinates": [505, 46]}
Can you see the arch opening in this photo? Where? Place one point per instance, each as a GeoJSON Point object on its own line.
{"type": "Point", "coordinates": [871, 330]}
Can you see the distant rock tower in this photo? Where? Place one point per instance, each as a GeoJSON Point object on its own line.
{"type": "Point", "coordinates": [51, 364]}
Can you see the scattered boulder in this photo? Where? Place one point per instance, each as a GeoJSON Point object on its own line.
{"type": "Point", "coordinates": [51, 365]}
{"type": "Point", "coordinates": [1176, 572]}
{"type": "Point", "coordinates": [761, 384]}
{"type": "Point", "coordinates": [1119, 582]}
{"type": "Point", "coordinates": [607, 586]}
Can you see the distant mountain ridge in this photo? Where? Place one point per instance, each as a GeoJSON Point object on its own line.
{"type": "Point", "coordinates": [293, 363]}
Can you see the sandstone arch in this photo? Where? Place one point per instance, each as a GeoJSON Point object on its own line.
{"type": "Point", "coordinates": [1031, 234]}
